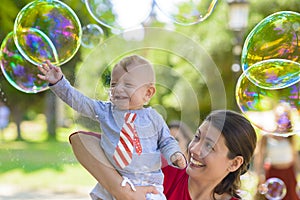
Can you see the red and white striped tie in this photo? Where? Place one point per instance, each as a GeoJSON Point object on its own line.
{"type": "Point", "coordinates": [128, 141]}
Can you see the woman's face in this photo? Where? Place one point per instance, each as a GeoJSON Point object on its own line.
{"type": "Point", "coordinates": [208, 155]}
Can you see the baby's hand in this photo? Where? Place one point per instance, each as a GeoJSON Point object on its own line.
{"type": "Point", "coordinates": [178, 160]}
{"type": "Point", "coordinates": [52, 74]}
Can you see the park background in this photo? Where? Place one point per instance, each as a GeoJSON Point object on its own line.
{"type": "Point", "coordinates": [35, 156]}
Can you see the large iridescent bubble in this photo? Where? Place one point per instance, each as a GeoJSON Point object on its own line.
{"type": "Point", "coordinates": [274, 110]}
{"type": "Point", "coordinates": [47, 30]}
{"type": "Point", "coordinates": [36, 46]}
{"type": "Point", "coordinates": [268, 90]}
{"type": "Point", "coordinates": [274, 73]}
{"type": "Point", "coordinates": [275, 37]}
{"type": "Point", "coordinates": [187, 12]}
{"type": "Point", "coordinates": [17, 70]}
{"type": "Point", "coordinates": [119, 14]}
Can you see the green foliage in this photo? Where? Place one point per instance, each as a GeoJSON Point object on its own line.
{"type": "Point", "coordinates": [8, 13]}
{"type": "Point", "coordinates": [212, 34]}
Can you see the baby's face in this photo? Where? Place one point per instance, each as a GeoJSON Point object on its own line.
{"type": "Point", "coordinates": [128, 90]}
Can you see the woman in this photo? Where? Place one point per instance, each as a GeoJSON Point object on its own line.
{"type": "Point", "coordinates": [277, 157]}
{"type": "Point", "coordinates": [219, 153]}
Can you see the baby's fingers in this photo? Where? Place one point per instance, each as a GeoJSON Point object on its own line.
{"type": "Point", "coordinates": [49, 64]}
{"type": "Point", "coordinates": [41, 77]}
{"type": "Point", "coordinates": [182, 163]}
{"type": "Point", "coordinates": [178, 160]}
{"type": "Point", "coordinates": [42, 69]}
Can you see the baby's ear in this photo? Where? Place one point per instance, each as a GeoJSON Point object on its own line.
{"type": "Point", "coordinates": [150, 92]}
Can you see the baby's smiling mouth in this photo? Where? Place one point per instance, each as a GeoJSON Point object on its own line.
{"type": "Point", "coordinates": [120, 97]}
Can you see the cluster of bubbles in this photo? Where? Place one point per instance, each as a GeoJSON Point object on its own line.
{"type": "Point", "coordinates": [2, 96]}
{"type": "Point", "coordinates": [50, 30]}
{"type": "Point", "coordinates": [43, 30]}
{"type": "Point", "coordinates": [120, 14]}
{"type": "Point", "coordinates": [268, 91]}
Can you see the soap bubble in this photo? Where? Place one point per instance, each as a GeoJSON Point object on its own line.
{"type": "Point", "coordinates": [273, 188]}
{"type": "Point", "coordinates": [187, 12]}
{"type": "Point", "coordinates": [274, 73]}
{"type": "Point", "coordinates": [262, 105]}
{"type": "Point", "coordinates": [17, 70]}
{"type": "Point", "coordinates": [92, 35]}
{"type": "Point", "coordinates": [275, 37]}
{"type": "Point", "coordinates": [119, 14]}
{"type": "Point", "coordinates": [50, 27]}
{"type": "Point", "coordinates": [37, 45]}
{"type": "Point", "coordinates": [268, 90]}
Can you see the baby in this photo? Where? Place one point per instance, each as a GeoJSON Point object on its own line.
{"type": "Point", "coordinates": [133, 145]}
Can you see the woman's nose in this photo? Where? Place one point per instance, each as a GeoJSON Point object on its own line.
{"type": "Point", "coordinates": [196, 148]}
{"type": "Point", "coordinates": [199, 149]}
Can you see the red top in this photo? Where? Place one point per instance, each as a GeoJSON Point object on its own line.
{"type": "Point", "coordinates": [176, 184]}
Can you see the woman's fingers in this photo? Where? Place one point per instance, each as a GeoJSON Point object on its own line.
{"type": "Point", "coordinates": [147, 189]}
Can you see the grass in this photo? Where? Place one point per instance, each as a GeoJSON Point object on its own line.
{"type": "Point", "coordinates": [36, 164]}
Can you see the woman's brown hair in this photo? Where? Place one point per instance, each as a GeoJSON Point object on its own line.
{"type": "Point", "coordinates": [240, 139]}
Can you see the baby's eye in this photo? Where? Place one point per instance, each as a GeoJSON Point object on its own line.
{"type": "Point", "coordinates": [129, 85]}
{"type": "Point", "coordinates": [196, 137]}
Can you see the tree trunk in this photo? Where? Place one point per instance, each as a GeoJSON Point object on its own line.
{"type": "Point", "coordinates": [17, 116]}
{"type": "Point", "coordinates": [50, 115]}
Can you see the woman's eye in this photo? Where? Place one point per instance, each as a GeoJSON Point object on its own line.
{"type": "Point", "coordinates": [209, 146]}
{"type": "Point", "coordinates": [196, 137]}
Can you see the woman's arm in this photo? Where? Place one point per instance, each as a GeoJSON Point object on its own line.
{"type": "Point", "coordinates": [91, 156]}
{"type": "Point", "coordinates": [296, 156]}
{"type": "Point", "coordinates": [259, 159]}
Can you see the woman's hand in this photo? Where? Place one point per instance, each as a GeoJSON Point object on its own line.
{"type": "Point", "coordinates": [52, 74]}
{"type": "Point", "coordinates": [139, 194]}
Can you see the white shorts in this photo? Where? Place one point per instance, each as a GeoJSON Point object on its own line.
{"type": "Point", "coordinates": [100, 192]}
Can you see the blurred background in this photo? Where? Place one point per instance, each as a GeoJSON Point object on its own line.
{"type": "Point", "coordinates": [36, 160]}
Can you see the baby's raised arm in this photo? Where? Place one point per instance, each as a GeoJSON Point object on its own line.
{"type": "Point", "coordinates": [51, 73]}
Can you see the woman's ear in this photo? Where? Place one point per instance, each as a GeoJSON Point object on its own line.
{"type": "Point", "coordinates": [235, 163]}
